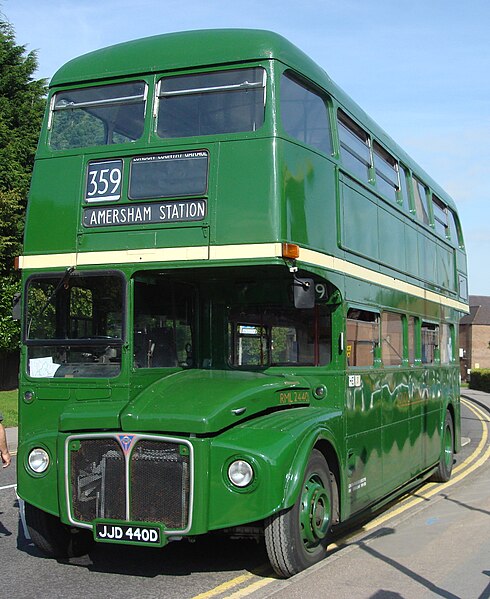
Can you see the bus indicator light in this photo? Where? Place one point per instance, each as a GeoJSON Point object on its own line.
{"type": "Point", "coordinates": [290, 251]}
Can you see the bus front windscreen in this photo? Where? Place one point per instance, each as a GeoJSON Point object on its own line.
{"type": "Point", "coordinates": [74, 325]}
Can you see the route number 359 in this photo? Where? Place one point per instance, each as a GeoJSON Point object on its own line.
{"type": "Point", "coordinates": [104, 181]}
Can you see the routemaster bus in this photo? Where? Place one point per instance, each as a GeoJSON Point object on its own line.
{"type": "Point", "coordinates": [240, 303]}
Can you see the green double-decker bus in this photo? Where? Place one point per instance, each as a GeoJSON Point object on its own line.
{"type": "Point", "coordinates": [240, 303]}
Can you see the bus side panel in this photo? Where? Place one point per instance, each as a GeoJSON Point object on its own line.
{"type": "Point", "coordinates": [364, 458]}
{"type": "Point", "coordinates": [395, 436]}
{"type": "Point", "coordinates": [308, 197]}
{"type": "Point", "coordinates": [245, 208]}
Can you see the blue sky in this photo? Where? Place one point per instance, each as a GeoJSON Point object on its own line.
{"type": "Point", "coordinates": [420, 68]}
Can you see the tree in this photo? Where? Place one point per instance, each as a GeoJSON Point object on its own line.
{"type": "Point", "coordinates": [22, 103]}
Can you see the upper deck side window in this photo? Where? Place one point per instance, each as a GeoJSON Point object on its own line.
{"type": "Point", "coordinates": [355, 150]}
{"type": "Point", "coordinates": [230, 101]}
{"type": "Point", "coordinates": [455, 229]}
{"type": "Point", "coordinates": [97, 116]}
{"type": "Point", "coordinates": [304, 114]}
{"type": "Point", "coordinates": [404, 195]}
{"type": "Point", "coordinates": [386, 168]}
{"type": "Point", "coordinates": [439, 209]}
{"type": "Point", "coordinates": [420, 199]}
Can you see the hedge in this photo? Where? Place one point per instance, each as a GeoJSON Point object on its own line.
{"type": "Point", "coordinates": [480, 380]}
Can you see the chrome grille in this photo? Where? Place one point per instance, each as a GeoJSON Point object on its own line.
{"type": "Point", "coordinates": [150, 482]}
{"type": "Point", "coordinates": [152, 463]}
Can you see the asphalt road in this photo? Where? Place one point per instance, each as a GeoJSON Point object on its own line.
{"type": "Point", "coordinates": [434, 542]}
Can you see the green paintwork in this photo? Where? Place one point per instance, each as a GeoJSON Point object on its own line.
{"type": "Point", "coordinates": [201, 402]}
{"type": "Point", "coordinates": [263, 187]}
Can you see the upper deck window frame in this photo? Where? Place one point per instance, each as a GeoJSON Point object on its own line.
{"type": "Point", "coordinates": [386, 172]}
{"type": "Point", "coordinates": [198, 92]}
{"type": "Point", "coordinates": [355, 147]}
{"type": "Point", "coordinates": [97, 107]}
{"type": "Point", "coordinates": [420, 200]}
{"type": "Point", "coordinates": [439, 210]}
{"type": "Point", "coordinates": [313, 101]}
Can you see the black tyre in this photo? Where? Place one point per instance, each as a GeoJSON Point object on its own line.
{"type": "Point", "coordinates": [54, 538]}
{"type": "Point", "coordinates": [297, 538]}
{"type": "Point", "coordinates": [445, 466]}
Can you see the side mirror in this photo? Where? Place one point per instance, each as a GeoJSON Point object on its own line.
{"type": "Point", "coordinates": [16, 311]}
{"type": "Point", "coordinates": [304, 293]}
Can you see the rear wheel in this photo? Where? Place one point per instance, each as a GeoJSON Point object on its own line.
{"type": "Point", "coordinates": [445, 466]}
{"type": "Point", "coordinates": [54, 538]}
{"type": "Point", "coordinates": [297, 538]}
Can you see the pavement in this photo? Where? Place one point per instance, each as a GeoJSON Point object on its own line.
{"type": "Point", "coordinates": [478, 396]}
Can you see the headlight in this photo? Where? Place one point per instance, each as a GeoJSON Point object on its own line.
{"type": "Point", "coordinates": [240, 473]}
{"type": "Point", "coordinates": [38, 460]}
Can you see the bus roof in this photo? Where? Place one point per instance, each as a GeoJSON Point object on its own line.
{"type": "Point", "coordinates": [187, 49]}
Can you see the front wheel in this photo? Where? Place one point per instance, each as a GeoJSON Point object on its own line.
{"type": "Point", "coordinates": [445, 466]}
{"type": "Point", "coordinates": [297, 538]}
{"type": "Point", "coordinates": [54, 538]}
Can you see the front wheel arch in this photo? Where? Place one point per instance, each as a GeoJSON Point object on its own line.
{"type": "Point", "coordinates": [317, 441]}
{"type": "Point", "coordinates": [297, 537]}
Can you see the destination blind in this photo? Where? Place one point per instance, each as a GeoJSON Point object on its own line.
{"type": "Point", "coordinates": [156, 212]}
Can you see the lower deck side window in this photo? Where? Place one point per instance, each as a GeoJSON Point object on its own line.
{"type": "Point", "coordinates": [430, 342]}
{"type": "Point", "coordinates": [362, 337]}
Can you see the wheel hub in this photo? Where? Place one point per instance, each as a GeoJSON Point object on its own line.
{"type": "Point", "coordinates": [315, 511]}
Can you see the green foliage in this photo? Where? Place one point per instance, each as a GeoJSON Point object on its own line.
{"type": "Point", "coordinates": [22, 102]}
{"type": "Point", "coordinates": [11, 227]}
{"type": "Point", "coordinates": [8, 407]}
{"type": "Point", "coordinates": [480, 380]}
{"type": "Point", "coordinates": [76, 129]}
{"type": "Point", "coordinates": [9, 328]}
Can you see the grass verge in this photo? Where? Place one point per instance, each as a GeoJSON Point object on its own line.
{"type": "Point", "coordinates": [8, 407]}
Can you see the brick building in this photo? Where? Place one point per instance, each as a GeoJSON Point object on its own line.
{"type": "Point", "coordinates": [474, 335]}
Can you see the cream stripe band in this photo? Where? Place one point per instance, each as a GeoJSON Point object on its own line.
{"type": "Point", "coordinates": [233, 252]}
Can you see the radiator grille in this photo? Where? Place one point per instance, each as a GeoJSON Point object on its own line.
{"type": "Point", "coordinates": [151, 463]}
{"type": "Point", "coordinates": [157, 472]}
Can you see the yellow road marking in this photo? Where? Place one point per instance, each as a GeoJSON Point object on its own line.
{"type": "Point", "coordinates": [251, 588]}
{"type": "Point", "coordinates": [226, 586]}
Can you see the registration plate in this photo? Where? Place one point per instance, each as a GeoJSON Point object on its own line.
{"type": "Point", "coordinates": [126, 533]}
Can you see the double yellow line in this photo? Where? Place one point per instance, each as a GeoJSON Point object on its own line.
{"type": "Point", "coordinates": [253, 581]}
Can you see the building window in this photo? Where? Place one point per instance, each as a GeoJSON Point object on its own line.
{"type": "Point", "coordinates": [355, 151]}
{"type": "Point", "coordinates": [362, 337]}
{"type": "Point", "coordinates": [304, 115]}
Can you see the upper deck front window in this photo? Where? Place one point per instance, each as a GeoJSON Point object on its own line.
{"type": "Point", "coordinates": [211, 103]}
{"type": "Point", "coordinates": [97, 116]}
